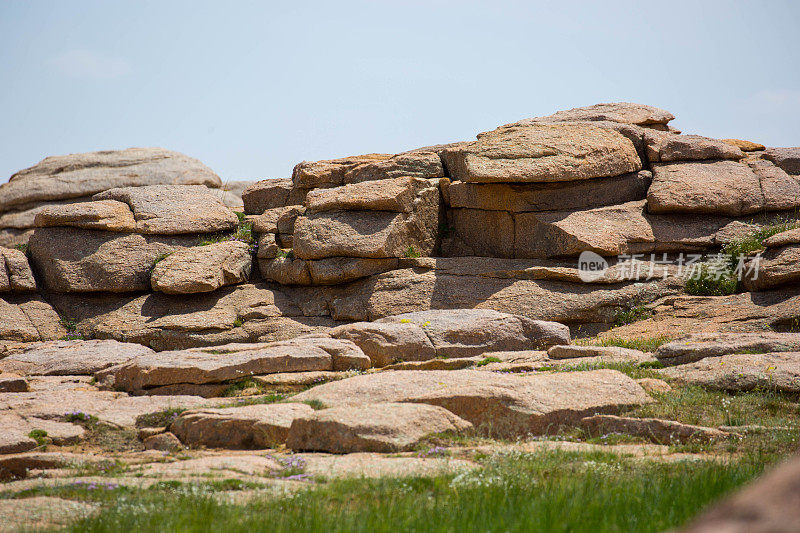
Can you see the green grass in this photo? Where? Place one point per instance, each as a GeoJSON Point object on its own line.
{"type": "Point", "coordinates": [412, 252]}
{"type": "Point", "coordinates": [40, 436]}
{"type": "Point", "coordinates": [272, 397]}
{"type": "Point", "coordinates": [316, 405]}
{"type": "Point", "coordinates": [158, 419]}
{"type": "Point", "coordinates": [645, 344]}
{"type": "Point", "coordinates": [755, 241]}
{"type": "Point", "coordinates": [486, 360]}
{"type": "Point", "coordinates": [634, 370]}
{"type": "Point", "coordinates": [707, 280]}
{"type": "Point", "coordinates": [629, 316]}
{"type": "Point", "coordinates": [243, 233]}
{"type": "Point", "coordinates": [552, 491]}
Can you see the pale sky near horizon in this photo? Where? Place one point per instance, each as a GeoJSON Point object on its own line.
{"type": "Point", "coordinates": [252, 88]}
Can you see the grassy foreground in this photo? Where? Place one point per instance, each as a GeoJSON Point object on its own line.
{"type": "Point", "coordinates": [513, 491]}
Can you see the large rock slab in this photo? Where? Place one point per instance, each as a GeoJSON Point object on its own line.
{"type": "Point", "coordinates": [234, 361]}
{"type": "Point", "coordinates": [781, 191]}
{"type": "Point", "coordinates": [701, 345]}
{"type": "Point", "coordinates": [521, 198]}
{"type": "Point", "coordinates": [42, 512]}
{"type": "Point", "coordinates": [15, 272]}
{"type": "Point", "coordinates": [783, 238]}
{"type": "Point", "coordinates": [203, 268]}
{"type": "Point", "coordinates": [247, 427]}
{"type": "Point", "coordinates": [336, 172]}
{"type": "Point", "coordinates": [622, 112]}
{"type": "Point", "coordinates": [108, 215]}
{"type": "Point", "coordinates": [71, 358]}
{"type": "Point", "coordinates": [13, 383]}
{"type": "Point", "coordinates": [395, 195]}
{"type": "Point", "coordinates": [266, 194]}
{"type": "Point", "coordinates": [580, 352]}
{"type": "Point", "coordinates": [787, 159]}
{"type": "Point", "coordinates": [719, 187]}
{"type": "Point", "coordinates": [664, 147]}
{"type": "Point", "coordinates": [382, 427]}
{"type": "Point", "coordinates": [17, 429]}
{"type": "Point", "coordinates": [543, 153]}
{"type": "Point", "coordinates": [654, 429]}
{"type": "Point", "coordinates": [466, 332]}
{"type": "Point", "coordinates": [76, 260]}
{"type": "Point", "coordinates": [776, 267]}
{"type": "Point", "coordinates": [496, 404]}
{"type": "Point", "coordinates": [742, 372]}
{"type": "Point", "coordinates": [77, 175]}
{"type": "Point", "coordinates": [172, 209]}
{"type": "Point", "coordinates": [769, 504]}
{"type": "Point", "coordinates": [388, 343]}
{"type": "Point", "coordinates": [371, 234]}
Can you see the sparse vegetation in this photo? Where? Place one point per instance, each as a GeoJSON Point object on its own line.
{"type": "Point", "coordinates": [243, 233]}
{"type": "Point", "coordinates": [285, 254]}
{"type": "Point", "coordinates": [159, 418]}
{"type": "Point", "coordinates": [22, 247]}
{"type": "Point", "coordinates": [712, 279]}
{"type": "Point", "coordinates": [754, 242]}
{"type": "Point", "coordinates": [412, 252]}
{"type": "Point", "coordinates": [631, 315]}
{"type": "Point", "coordinates": [644, 344]}
{"type": "Point", "coordinates": [40, 436]}
{"type": "Point", "coordinates": [486, 360]}
{"type": "Point", "coordinates": [315, 404]}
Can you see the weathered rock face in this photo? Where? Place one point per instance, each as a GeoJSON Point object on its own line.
{"type": "Point", "coordinates": [247, 427]}
{"type": "Point", "coordinates": [787, 159]}
{"type": "Point", "coordinates": [74, 260]}
{"type": "Point", "coordinates": [234, 361]}
{"type": "Point", "coordinates": [778, 266]}
{"type": "Point", "coordinates": [29, 319]}
{"type": "Point", "coordinates": [791, 236]}
{"type": "Point", "coordinates": [654, 429]}
{"type": "Point", "coordinates": [172, 209]}
{"type": "Point", "coordinates": [203, 268]}
{"type": "Point", "coordinates": [266, 194]}
{"type": "Point", "coordinates": [721, 187]}
{"type": "Point", "coordinates": [574, 352]}
{"type": "Point", "coordinates": [665, 147]}
{"type": "Point", "coordinates": [387, 343]}
{"type": "Point", "coordinates": [622, 112]}
{"type": "Point", "coordinates": [79, 175]}
{"type": "Point", "coordinates": [71, 358]}
{"type": "Point", "coordinates": [699, 346]}
{"type": "Point", "coordinates": [108, 215]}
{"type": "Point", "coordinates": [744, 145]}
{"type": "Point", "coordinates": [543, 153]}
{"type": "Point", "coordinates": [336, 172]}
{"type": "Point", "coordinates": [742, 372]}
{"type": "Point", "coordinates": [15, 273]}
{"type": "Point", "coordinates": [768, 504]}
{"type": "Point", "coordinates": [396, 195]}
{"type": "Point", "coordinates": [371, 234]}
{"type": "Point", "coordinates": [494, 403]}
{"type": "Point", "coordinates": [13, 383]}
{"type": "Point", "coordinates": [382, 427]}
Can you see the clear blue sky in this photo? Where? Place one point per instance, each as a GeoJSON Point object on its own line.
{"type": "Point", "coordinates": [253, 88]}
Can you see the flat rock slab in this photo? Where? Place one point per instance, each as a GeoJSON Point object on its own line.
{"type": "Point", "coordinates": [203, 268]}
{"type": "Point", "coordinates": [528, 361]}
{"type": "Point", "coordinates": [742, 372]}
{"type": "Point", "coordinates": [29, 318]}
{"type": "Point", "coordinates": [299, 380]}
{"type": "Point", "coordinates": [783, 238]}
{"type": "Point", "coordinates": [173, 209]}
{"type": "Point", "coordinates": [777, 267]}
{"type": "Point", "coordinates": [656, 430]}
{"type": "Point", "coordinates": [787, 159]}
{"type": "Point", "coordinates": [113, 408]}
{"type": "Point", "coordinates": [699, 346]}
{"type": "Point", "coordinates": [266, 194]}
{"type": "Point", "coordinates": [12, 382]}
{"type": "Point", "coordinates": [542, 153]}
{"type": "Point", "coordinates": [63, 358]}
{"type": "Point", "coordinates": [576, 351]}
{"type": "Point", "coordinates": [381, 427]}
{"type": "Point", "coordinates": [16, 466]}
{"type": "Point", "coordinates": [667, 146]}
{"type": "Point", "coordinates": [374, 465]}
{"type": "Point", "coordinates": [494, 403]}
{"type": "Point", "coordinates": [247, 427]}
{"type": "Point", "coordinates": [769, 504]}
{"type": "Point", "coordinates": [467, 332]}
{"type": "Point", "coordinates": [235, 361]}
{"type": "Point", "coordinates": [622, 112]}
{"type": "Point", "coordinates": [369, 167]}
{"type": "Point", "coordinates": [225, 466]}
{"type": "Point", "coordinates": [78, 175]}
{"type": "Point", "coordinates": [108, 215]}
{"type": "Point", "coordinates": [397, 195]}
{"type": "Point", "coordinates": [16, 436]}
{"type": "Point", "coordinates": [41, 512]}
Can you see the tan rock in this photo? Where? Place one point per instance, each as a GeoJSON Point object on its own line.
{"type": "Point", "coordinates": [78, 175]}
{"type": "Point", "coordinates": [654, 385]}
{"type": "Point", "coordinates": [164, 442]}
{"type": "Point", "coordinates": [787, 159]}
{"type": "Point", "coordinates": [42, 512]}
{"type": "Point", "coordinates": [521, 198]}
{"type": "Point", "coordinates": [781, 191]}
{"type": "Point", "coordinates": [203, 268]}
{"type": "Point", "coordinates": [11, 237]}
{"type": "Point", "coordinates": [339, 270]}
{"type": "Point", "coordinates": [16, 466]}
{"type": "Point", "coordinates": [76, 260]}
{"type": "Point", "coordinates": [332, 173]}
{"type": "Point", "coordinates": [266, 194]}
{"type": "Point", "coordinates": [19, 429]}
{"type": "Point", "coordinates": [65, 358]}
{"type": "Point", "coordinates": [29, 319]}
{"type": "Point", "coordinates": [484, 233]}
{"type": "Point", "coordinates": [656, 430]}
{"type": "Point", "coordinates": [791, 236]}
{"type": "Point", "coordinates": [12, 382]}
{"type": "Point", "coordinates": [742, 372]}
{"type": "Point", "coordinates": [497, 404]}
{"type": "Point", "coordinates": [234, 361]}
{"type": "Point", "coordinates": [466, 332]}
{"type": "Point", "coordinates": [285, 270]}
{"type": "Point", "coordinates": [173, 209]}
{"type": "Point", "coordinates": [376, 465]}
{"type": "Point", "coordinates": [744, 146]}
{"type": "Point", "coordinates": [387, 343]}
{"type": "Point", "coordinates": [278, 219]}
{"type": "Point", "coordinates": [370, 234]}
{"type": "Point", "coordinates": [396, 195]}
{"type": "Point", "coordinates": [623, 112]}
{"type": "Point", "coordinates": [16, 274]}
{"type": "Point", "coordinates": [575, 351]}
{"type": "Point", "coordinates": [695, 347]}
{"type": "Point", "coordinates": [664, 147]}
{"type": "Point", "coordinates": [383, 427]}
{"type": "Point", "coordinates": [296, 381]}
{"type": "Point", "coordinates": [777, 267]}
{"type": "Point", "coordinates": [721, 187]}
{"type": "Point", "coordinates": [248, 427]}
{"type": "Point", "coordinates": [769, 504]}
{"type": "Point", "coordinates": [543, 153]}
{"type": "Point", "coordinates": [108, 215]}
